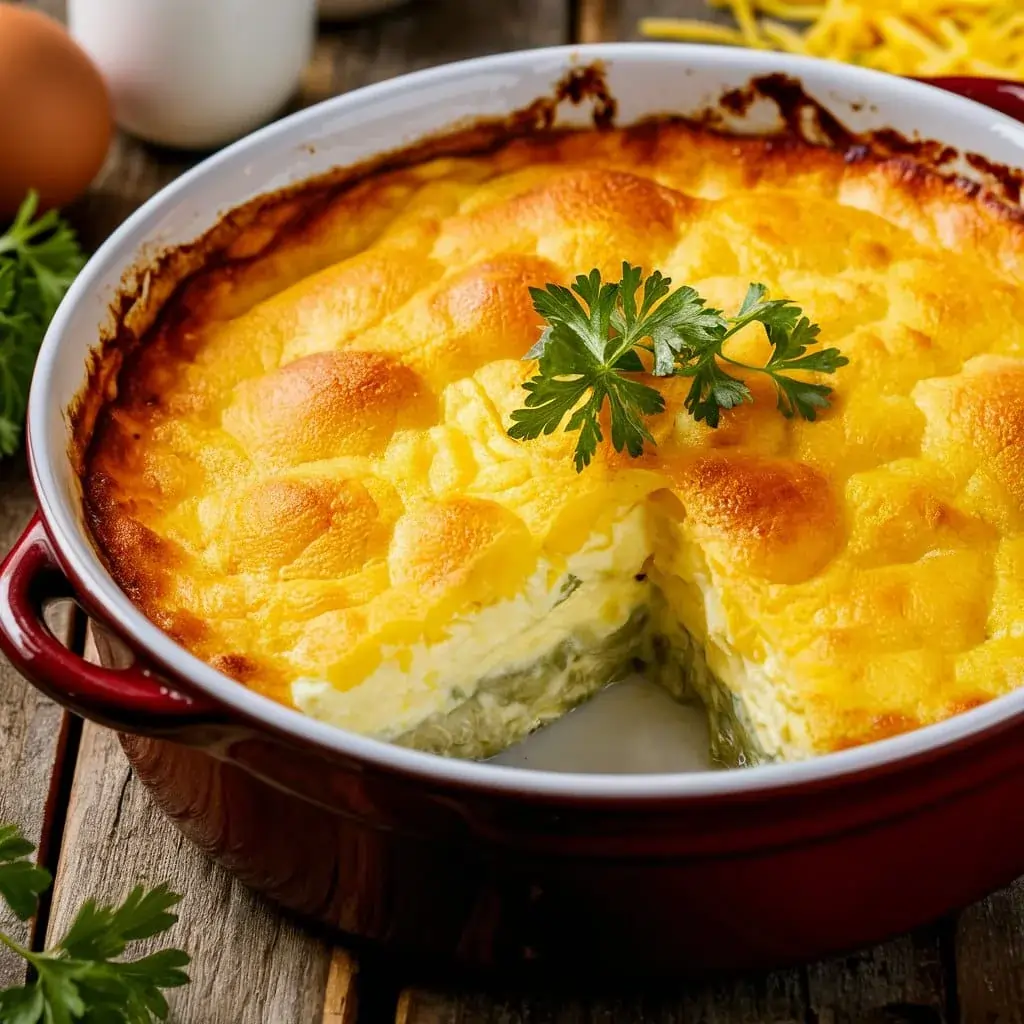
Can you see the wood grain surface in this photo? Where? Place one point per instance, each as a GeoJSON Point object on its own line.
{"type": "Point", "coordinates": [773, 999]}
{"type": "Point", "coordinates": [989, 959]}
{"type": "Point", "coordinates": [69, 786]}
{"type": "Point", "coordinates": [900, 982]}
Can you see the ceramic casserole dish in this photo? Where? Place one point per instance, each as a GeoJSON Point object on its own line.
{"type": "Point", "coordinates": [499, 865]}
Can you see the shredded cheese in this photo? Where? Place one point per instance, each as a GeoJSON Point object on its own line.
{"type": "Point", "coordinates": [906, 37]}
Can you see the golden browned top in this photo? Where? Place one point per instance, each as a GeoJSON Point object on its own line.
{"type": "Point", "coordinates": [308, 460]}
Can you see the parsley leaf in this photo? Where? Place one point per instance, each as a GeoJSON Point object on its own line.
{"type": "Point", "coordinates": [22, 1005]}
{"type": "Point", "coordinates": [79, 979]}
{"type": "Point", "coordinates": [39, 258]}
{"type": "Point", "coordinates": [593, 340]}
{"type": "Point", "coordinates": [581, 364]}
{"type": "Point", "coordinates": [21, 881]}
{"type": "Point", "coordinates": [99, 933]}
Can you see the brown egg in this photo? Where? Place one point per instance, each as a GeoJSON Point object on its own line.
{"type": "Point", "coordinates": [55, 112]}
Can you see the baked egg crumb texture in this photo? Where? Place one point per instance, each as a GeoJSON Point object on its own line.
{"type": "Point", "coordinates": [305, 477]}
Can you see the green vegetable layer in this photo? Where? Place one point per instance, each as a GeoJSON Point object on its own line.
{"type": "Point", "coordinates": [506, 708]}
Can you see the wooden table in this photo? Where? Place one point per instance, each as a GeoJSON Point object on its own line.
{"type": "Point", "coordinates": [68, 785]}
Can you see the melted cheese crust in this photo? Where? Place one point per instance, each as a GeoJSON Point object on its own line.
{"type": "Point", "coordinates": [305, 468]}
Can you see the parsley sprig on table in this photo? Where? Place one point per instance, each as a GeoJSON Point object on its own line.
{"type": "Point", "coordinates": [592, 343]}
{"type": "Point", "coordinates": [81, 979]}
{"type": "Point", "coordinates": [39, 258]}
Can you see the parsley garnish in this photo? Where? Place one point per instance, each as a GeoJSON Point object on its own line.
{"type": "Point", "coordinates": [39, 258]}
{"type": "Point", "coordinates": [569, 587]}
{"type": "Point", "coordinates": [80, 978]}
{"type": "Point", "coordinates": [588, 349]}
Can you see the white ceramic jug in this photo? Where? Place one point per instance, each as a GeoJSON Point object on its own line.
{"type": "Point", "coordinates": [196, 73]}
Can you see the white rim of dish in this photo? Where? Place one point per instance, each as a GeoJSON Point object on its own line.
{"type": "Point", "coordinates": [570, 786]}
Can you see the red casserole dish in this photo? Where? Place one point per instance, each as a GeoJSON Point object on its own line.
{"type": "Point", "coordinates": [485, 865]}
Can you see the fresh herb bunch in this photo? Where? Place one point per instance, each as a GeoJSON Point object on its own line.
{"type": "Point", "coordinates": [79, 979]}
{"type": "Point", "coordinates": [39, 258]}
{"type": "Point", "coordinates": [592, 343]}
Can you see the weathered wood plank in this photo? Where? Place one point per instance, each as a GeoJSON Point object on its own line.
{"type": "Point", "coordinates": [595, 20]}
{"type": "Point", "coordinates": [899, 981]}
{"type": "Point", "coordinates": [989, 944]}
{"type": "Point", "coordinates": [250, 965]}
{"type": "Point", "coordinates": [426, 34]}
{"type": "Point", "coordinates": [341, 1004]}
{"type": "Point", "coordinates": [771, 999]}
{"type": "Point", "coordinates": [32, 728]}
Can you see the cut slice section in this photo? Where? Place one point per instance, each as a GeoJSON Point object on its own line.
{"type": "Point", "coordinates": [635, 598]}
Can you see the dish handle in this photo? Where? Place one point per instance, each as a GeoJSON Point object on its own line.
{"type": "Point", "coordinates": [998, 93]}
{"type": "Point", "coordinates": [131, 699]}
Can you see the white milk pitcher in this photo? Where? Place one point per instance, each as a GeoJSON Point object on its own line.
{"type": "Point", "coordinates": [196, 74]}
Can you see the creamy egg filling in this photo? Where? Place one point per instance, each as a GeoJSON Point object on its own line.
{"type": "Point", "coordinates": [639, 595]}
{"type": "Point", "coordinates": [751, 706]}
{"type": "Point", "coordinates": [589, 599]}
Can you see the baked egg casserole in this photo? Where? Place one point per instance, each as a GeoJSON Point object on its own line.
{"type": "Point", "coordinates": [303, 472]}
